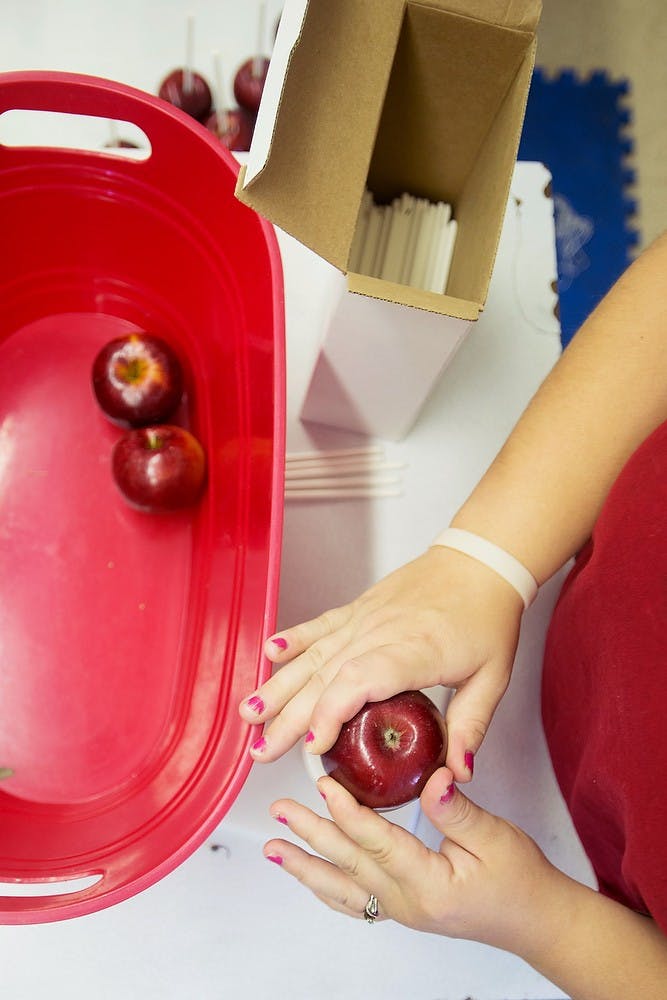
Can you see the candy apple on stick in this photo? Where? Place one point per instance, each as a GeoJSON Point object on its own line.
{"type": "Point", "coordinates": [186, 89]}
{"type": "Point", "coordinates": [232, 126]}
{"type": "Point", "coordinates": [251, 75]}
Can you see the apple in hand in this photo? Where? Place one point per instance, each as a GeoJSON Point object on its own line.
{"type": "Point", "coordinates": [249, 82]}
{"type": "Point", "coordinates": [137, 379]}
{"type": "Point", "coordinates": [385, 754]}
{"type": "Point", "coordinates": [159, 468]}
{"type": "Point", "coordinates": [188, 91]}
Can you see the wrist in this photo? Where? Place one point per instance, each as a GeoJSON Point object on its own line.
{"type": "Point", "coordinates": [497, 559]}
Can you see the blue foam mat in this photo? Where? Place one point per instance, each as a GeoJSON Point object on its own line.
{"type": "Point", "coordinates": [578, 129]}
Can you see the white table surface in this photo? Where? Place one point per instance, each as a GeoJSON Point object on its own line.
{"type": "Point", "coordinates": [227, 924]}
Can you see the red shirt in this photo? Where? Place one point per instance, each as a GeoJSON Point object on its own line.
{"type": "Point", "coordinates": [604, 689]}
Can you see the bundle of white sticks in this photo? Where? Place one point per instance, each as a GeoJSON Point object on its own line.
{"type": "Point", "coordinates": [341, 474]}
{"type": "Point", "coordinates": [410, 241]}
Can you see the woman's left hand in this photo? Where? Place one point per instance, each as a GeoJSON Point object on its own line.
{"type": "Point", "coordinates": [489, 881]}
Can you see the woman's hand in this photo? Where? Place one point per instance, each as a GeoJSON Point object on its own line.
{"type": "Point", "coordinates": [442, 619]}
{"type": "Point", "coordinates": [489, 881]}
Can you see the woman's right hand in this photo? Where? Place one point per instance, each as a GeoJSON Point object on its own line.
{"type": "Point", "coordinates": [443, 618]}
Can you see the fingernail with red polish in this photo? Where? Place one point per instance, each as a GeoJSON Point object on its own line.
{"type": "Point", "coordinates": [281, 819]}
{"type": "Point", "coordinates": [309, 737]}
{"type": "Point", "coordinates": [448, 795]}
{"type": "Point", "coordinates": [279, 642]}
{"type": "Point", "coordinates": [255, 704]}
{"type": "Point", "coordinates": [469, 760]}
{"type": "Point", "coordinates": [259, 745]}
{"type": "Point", "coordinates": [276, 858]}
{"type": "Point", "coordinates": [323, 795]}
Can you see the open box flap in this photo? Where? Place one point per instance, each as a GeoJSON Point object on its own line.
{"type": "Point", "coordinates": [356, 86]}
{"type": "Point", "coordinates": [523, 15]}
{"type": "Point", "coordinates": [325, 111]}
{"type": "Point", "coordinates": [444, 305]}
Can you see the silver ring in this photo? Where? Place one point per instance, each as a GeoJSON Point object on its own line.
{"type": "Point", "coordinates": [371, 909]}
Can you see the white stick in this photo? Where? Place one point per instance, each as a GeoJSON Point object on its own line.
{"type": "Point", "coordinates": [304, 456]}
{"type": "Point", "coordinates": [438, 236]}
{"type": "Point", "coordinates": [449, 253]}
{"type": "Point", "coordinates": [333, 482]}
{"type": "Point", "coordinates": [188, 82]}
{"type": "Point", "coordinates": [261, 23]}
{"type": "Point", "coordinates": [369, 251]}
{"type": "Point", "coordinates": [221, 116]}
{"type": "Point", "coordinates": [385, 229]}
{"type": "Point", "coordinates": [392, 265]}
{"type": "Point", "coordinates": [413, 236]}
{"type": "Point", "coordinates": [305, 470]}
{"type": "Point", "coordinates": [340, 494]}
{"type": "Point", "coordinates": [423, 247]}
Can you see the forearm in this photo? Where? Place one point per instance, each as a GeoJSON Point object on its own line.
{"type": "Point", "coordinates": [596, 949]}
{"type": "Point", "coordinates": [541, 496]}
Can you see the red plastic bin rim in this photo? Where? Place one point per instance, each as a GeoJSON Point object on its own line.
{"type": "Point", "coordinates": [98, 97]}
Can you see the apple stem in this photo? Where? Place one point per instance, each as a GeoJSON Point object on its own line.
{"type": "Point", "coordinates": [154, 440]}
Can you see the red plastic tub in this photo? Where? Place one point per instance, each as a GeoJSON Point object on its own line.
{"type": "Point", "coordinates": [127, 639]}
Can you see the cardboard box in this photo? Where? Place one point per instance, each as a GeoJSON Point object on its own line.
{"type": "Point", "coordinates": [423, 96]}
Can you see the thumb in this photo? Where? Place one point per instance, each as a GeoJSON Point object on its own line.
{"type": "Point", "coordinates": [469, 714]}
{"type": "Point", "coordinates": [455, 816]}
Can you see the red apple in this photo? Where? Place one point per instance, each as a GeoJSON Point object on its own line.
{"type": "Point", "coordinates": [137, 379]}
{"type": "Point", "coordinates": [233, 127]}
{"type": "Point", "coordinates": [195, 101]}
{"type": "Point", "coordinates": [385, 755]}
{"type": "Point", "coordinates": [249, 82]}
{"type": "Point", "coordinates": [159, 468]}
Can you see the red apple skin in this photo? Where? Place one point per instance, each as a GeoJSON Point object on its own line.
{"type": "Point", "coordinates": [159, 468]}
{"type": "Point", "coordinates": [137, 379]}
{"type": "Point", "coordinates": [249, 83]}
{"type": "Point", "coordinates": [233, 127]}
{"type": "Point", "coordinates": [385, 755]}
{"type": "Point", "coordinates": [196, 102]}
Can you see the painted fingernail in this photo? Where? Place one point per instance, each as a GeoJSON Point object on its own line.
{"type": "Point", "coordinates": [276, 858]}
{"type": "Point", "coordinates": [323, 795]}
{"type": "Point", "coordinates": [309, 737]}
{"type": "Point", "coordinates": [255, 704]}
{"type": "Point", "coordinates": [281, 819]}
{"type": "Point", "coordinates": [469, 760]}
{"type": "Point", "coordinates": [279, 642]}
{"type": "Point", "coordinates": [448, 795]}
{"type": "Point", "coordinates": [259, 745]}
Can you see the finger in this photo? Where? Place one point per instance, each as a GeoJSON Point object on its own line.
{"type": "Point", "coordinates": [269, 699]}
{"type": "Point", "coordinates": [291, 642]}
{"type": "Point", "coordinates": [372, 675]}
{"type": "Point", "coordinates": [323, 878]}
{"type": "Point", "coordinates": [461, 821]}
{"type": "Point", "coordinates": [292, 722]}
{"type": "Point", "coordinates": [391, 854]}
{"type": "Point", "coordinates": [328, 840]}
{"type": "Point", "coordinates": [468, 716]}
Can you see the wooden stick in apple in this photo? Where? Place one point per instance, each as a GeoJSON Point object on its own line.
{"type": "Point", "coordinates": [251, 75]}
{"type": "Point", "coordinates": [186, 89]}
{"type": "Point", "coordinates": [232, 126]}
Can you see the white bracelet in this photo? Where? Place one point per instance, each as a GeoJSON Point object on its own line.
{"type": "Point", "coordinates": [497, 559]}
